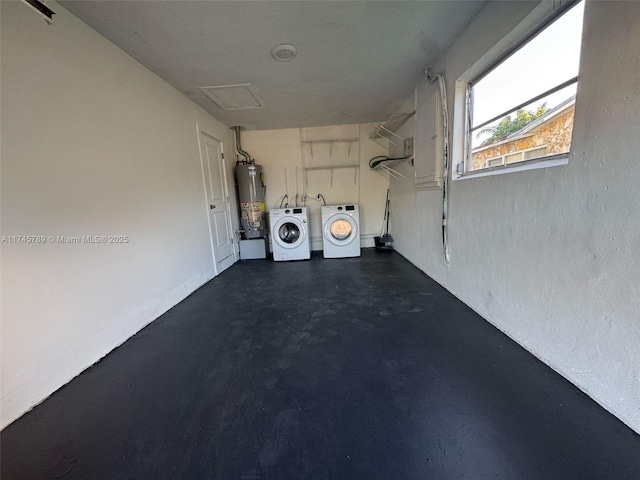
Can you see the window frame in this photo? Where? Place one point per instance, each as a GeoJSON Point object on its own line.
{"type": "Point", "coordinates": [541, 17]}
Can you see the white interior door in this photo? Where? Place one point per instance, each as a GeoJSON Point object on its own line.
{"type": "Point", "coordinates": [217, 195]}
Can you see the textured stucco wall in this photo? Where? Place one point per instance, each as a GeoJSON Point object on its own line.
{"type": "Point", "coordinates": [551, 256]}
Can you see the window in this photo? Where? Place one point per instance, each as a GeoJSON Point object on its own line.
{"type": "Point", "coordinates": [520, 156]}
{"type": "Point", "coordinates": [494, 162]}
{"type": "Point", "coordinates": [535, 153]}
{"type": "Point", "coordinates": [519, 109]}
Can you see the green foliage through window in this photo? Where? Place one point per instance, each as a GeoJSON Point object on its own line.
{"type": "Point", "coordinates": [507, 126]}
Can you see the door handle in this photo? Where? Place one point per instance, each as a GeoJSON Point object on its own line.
{"type": "Point", "coordinates": [212, 207]}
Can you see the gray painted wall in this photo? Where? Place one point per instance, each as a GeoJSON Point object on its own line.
{"type": "Point", "coordinates": [94, 144]}
{"type": "Point", "coordinates": [551, 256]}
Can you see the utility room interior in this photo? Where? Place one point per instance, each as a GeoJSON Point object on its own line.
{"type": "Point", "coordinates": [320, 240]}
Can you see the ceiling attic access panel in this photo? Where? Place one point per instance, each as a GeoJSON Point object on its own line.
{"type": "Point", "coordinates": [235, 97]}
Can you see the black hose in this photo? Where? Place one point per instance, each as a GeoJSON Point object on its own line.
{"type": "Point", "coordinates": [375, 161]}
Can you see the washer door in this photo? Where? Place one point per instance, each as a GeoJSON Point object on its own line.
{"type": "Point", "coordinates": [341, 230]}
{"type": "Point", "coordinates": [289, 232]}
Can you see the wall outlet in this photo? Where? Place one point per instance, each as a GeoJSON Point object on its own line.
{"type": "Point", "coordinates": [407, 148]}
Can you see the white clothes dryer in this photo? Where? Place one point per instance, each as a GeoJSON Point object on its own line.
{"type": "Point", "coordinates": [290, 234]}
{"type": "Point", "coordinates": [340, 231]}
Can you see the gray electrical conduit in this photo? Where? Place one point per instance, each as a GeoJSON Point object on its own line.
{"type": "Point", "coordinates": [445, 161]}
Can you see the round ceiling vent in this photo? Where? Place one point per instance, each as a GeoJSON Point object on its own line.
{"type": "Point", "coordinates": [283, 52]}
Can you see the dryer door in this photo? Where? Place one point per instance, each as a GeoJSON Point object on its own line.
{"type": "Point", "coordinates": [341, 229]}
{"type": "Point", "coordinates": [289, 232]}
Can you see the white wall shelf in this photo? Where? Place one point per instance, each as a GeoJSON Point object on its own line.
{"type": "Point", "coordinates": [331, 142]}
{"type": "Point", "coordinates": [387, 129]}
{"type": "Point", "coordinates": [356, 168]}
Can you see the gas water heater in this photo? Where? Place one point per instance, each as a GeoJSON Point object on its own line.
{"type": "Point", "coordinates": [253, 216]}
{"type": "Point", "coordinates": [251, 192]}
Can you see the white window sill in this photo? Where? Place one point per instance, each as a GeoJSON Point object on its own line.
{"type": "Point", "coordinates": [556, 160]}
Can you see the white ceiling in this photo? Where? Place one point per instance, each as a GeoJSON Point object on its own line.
{"type": "Point", "coordinates": [357, 60]}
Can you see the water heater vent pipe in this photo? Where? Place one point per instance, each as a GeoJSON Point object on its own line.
{"type": "Point", "coordinates": [246, 155]}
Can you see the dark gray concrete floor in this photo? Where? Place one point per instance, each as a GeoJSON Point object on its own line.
{"type": "Point", "coordinates": [358, 368]}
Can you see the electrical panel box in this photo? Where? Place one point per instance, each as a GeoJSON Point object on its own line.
{"type": "Point", "coordinates": [429, 143]}
{"type": "Point", "coordinates": [407, 150]}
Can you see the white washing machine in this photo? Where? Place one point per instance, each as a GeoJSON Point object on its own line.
{"type": "Point", "coordinates": [340, 231]}
{"type": "Point", "coordinates": [290, 234]}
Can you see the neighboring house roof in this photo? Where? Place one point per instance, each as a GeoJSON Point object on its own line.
{"type": "Point", "coordinates": [530, 128]}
